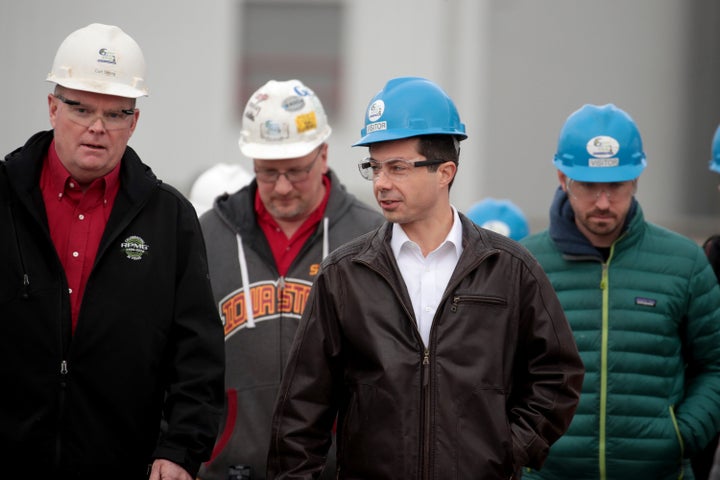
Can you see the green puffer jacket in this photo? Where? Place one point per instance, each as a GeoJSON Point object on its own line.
{"type": "Point", "coordinates": [647, 324]}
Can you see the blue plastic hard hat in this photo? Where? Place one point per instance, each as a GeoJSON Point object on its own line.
{"type": "Point", "coordinates": [501, 216]}
{"type": "Point", "coordinates": [408, 107]}
{"type": "Point", "coordinates": [600, 144]}
{"type": "Point", "coordinates": [715, 160]}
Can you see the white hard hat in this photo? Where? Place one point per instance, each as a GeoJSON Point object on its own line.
{"type": "Point", "coordinates": [213, 182]}
{"type": "Point", "coordinates": [101, 59]}
{"type": "Point", "coordinates": [282, 119]}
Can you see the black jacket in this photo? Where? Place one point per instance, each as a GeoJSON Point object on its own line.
{"type": "Point", "coordinates": [148, 342]}
{"type": "Point", "coordinates": [497, 385]}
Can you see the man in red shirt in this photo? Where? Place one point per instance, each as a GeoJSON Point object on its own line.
{"type": "Point", "coordinates": [108, 325]}
{"type": "Point", "coordinates": [265, 243]}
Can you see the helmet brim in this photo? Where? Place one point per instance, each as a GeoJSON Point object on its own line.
{"type": "Point", "coordinates": [602, 174]}
{"type": "Point", "coordinates": [388, 135]}
{"type": "Point", "coordinates": [263, 151]}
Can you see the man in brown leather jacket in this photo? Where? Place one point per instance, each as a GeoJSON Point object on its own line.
{"type": "Point", "coordinates": [440, 346]}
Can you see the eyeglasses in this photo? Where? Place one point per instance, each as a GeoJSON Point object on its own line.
{"type": "Point", "coordinates": [394, 169]}
{"type": "Point", "coordinates": [591, 191]}
{"type": "Point", "coordinates": [294, 175]}
{"type": "Point", "coordinates": [87, 116]}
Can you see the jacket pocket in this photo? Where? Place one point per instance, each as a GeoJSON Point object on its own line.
{"type": "Point", "coordinates": [483, 439]}
{"type": "Point", "coordinates": [476, 299]}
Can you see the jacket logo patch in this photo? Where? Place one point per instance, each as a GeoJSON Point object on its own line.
{"type": "Point", "coordinates": [645, 302]}
{"type": "Point", "coordinates": [134, 247]}
{"type": "Point", "coordinates": [269, 301]}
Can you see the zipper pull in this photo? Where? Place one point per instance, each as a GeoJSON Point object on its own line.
{"type": "Point", "coordinates": [425, 368]}
{"type": "Point", "coordinates": [455, 302]}
{"type": "Point", "coordinates": [63, 367]}
{"type": "Point", "coordinates": [26, 283]}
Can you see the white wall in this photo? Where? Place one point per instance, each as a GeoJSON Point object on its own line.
{"type": "Point", "coordinates": [516, 69]}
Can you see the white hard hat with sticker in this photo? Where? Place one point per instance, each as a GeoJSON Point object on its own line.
{"type": "Point", "coordinates": [101, 59]}
{"type": "Point", "coordinates": [282, 119]}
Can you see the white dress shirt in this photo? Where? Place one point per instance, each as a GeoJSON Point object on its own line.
{"type": "Point", "coordinates": [427, 277]}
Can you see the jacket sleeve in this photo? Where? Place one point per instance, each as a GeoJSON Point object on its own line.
{"type": "Point", "coordinates": [698, 414]}
{"type": "Point", "coordinates": [306, 407]}
{"type": "Point", "coordinates": [195, 358]}
{"type": "Point", "coordinates": [548, 371]}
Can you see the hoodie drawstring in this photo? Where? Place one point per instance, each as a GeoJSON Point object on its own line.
{"type": "Point", "coordinates": [246, 278]}
{"type": "Point", "coordinates": [246, 284]}
{"type": "Point", "coordinates": [326, 237]}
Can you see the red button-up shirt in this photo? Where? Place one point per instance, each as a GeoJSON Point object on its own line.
{"type": "Point", "coordinates": [77, 219]}
{"type": "Point", "coordinates": [285, 249]}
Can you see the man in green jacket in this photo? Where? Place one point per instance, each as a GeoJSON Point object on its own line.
{"type": "Point", "coordinates": [643, 305]}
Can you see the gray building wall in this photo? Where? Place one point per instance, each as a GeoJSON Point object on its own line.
{"type": "Point", "coordinates": [516, 69]}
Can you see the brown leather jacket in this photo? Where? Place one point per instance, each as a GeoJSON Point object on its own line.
{"type": "Point", "coordinates": [497, 385]}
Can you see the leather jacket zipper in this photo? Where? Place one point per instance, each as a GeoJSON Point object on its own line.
{"type": "Point", "coordinates": [61, 405]}
{"type": "Point", "coordinates": [425, 474]}
{"type": "Point", "coordinates": [457, 299]}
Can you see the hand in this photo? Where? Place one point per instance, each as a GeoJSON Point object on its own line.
{"type": "Point", "coordinates": [166, 470]}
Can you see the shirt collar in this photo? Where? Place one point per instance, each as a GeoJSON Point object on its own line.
{"type": "Point", "coordinates": [454, 236]}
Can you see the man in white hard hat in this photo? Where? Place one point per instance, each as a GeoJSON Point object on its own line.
{"type": "Point", "coordinates": [108, 328]}
{"type": "Point", "coordinates": [265, 244]}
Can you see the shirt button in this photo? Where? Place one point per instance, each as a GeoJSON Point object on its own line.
{"type": "Point", "coordinates": [71, 185]}
{"type": "Point", "coordinates": [75, 254]}
{"type": "Point", "coordinates": [81, 216]}
{"type": "Point", "coordinates": [428, 309]}
{"type": "Point", "coordinates": [69, 290]}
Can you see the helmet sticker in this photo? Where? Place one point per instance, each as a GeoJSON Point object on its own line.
{"type": "Point", "coordinates": [274, 131]}
{"type": "Point", "coordinates": [603, 150]}
{"type": "Point", "coordinates": [253, 107]}
{"type": "Point", "coordinates": [293, 103]}
{"type": "Point", "coordinates": [302, 91]}
{"type": "Point", "coordinates": [252, 110]}
{"type": "Point", "coordinates": [106, 56]}
{"type": "Point", "coordinates": [375, 127]}
{"type": "Point", "coordinates": [376, 110]}
{"type": "Point", "coordinates": [305, 122]}
{"type": "Point", "coordinates": [603, 147]}
{"type": "Point", "coordinates": [134, 247]}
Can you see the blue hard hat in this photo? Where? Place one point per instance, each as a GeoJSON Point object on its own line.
{"type": "Point", "coordinates": [600, 144]}
{"type": "Point", "coordinates": [715, 160]}
{"type": "Point", "coordinates": [501, 216]}
{"type": "Point", "coordinates": [408, 107]}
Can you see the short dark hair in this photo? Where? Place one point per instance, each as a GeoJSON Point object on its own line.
{"type": "Point", "coordinates": [439, 147]}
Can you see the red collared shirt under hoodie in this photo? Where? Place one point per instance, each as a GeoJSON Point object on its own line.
{"type": "Point", "coordinates": [285, 249]}
{"type": "Point", "coordinates": [77, 220]}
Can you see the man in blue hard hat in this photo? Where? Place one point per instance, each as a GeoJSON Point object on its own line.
{"type": "Point", "coordinates": [643, 304]}
{"type": "Point", "coordinates": [501, 216]}
{"type": "Point", "coordinates": [440, 346]}
{"type": "Point", "coordinates": [704, 461]}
